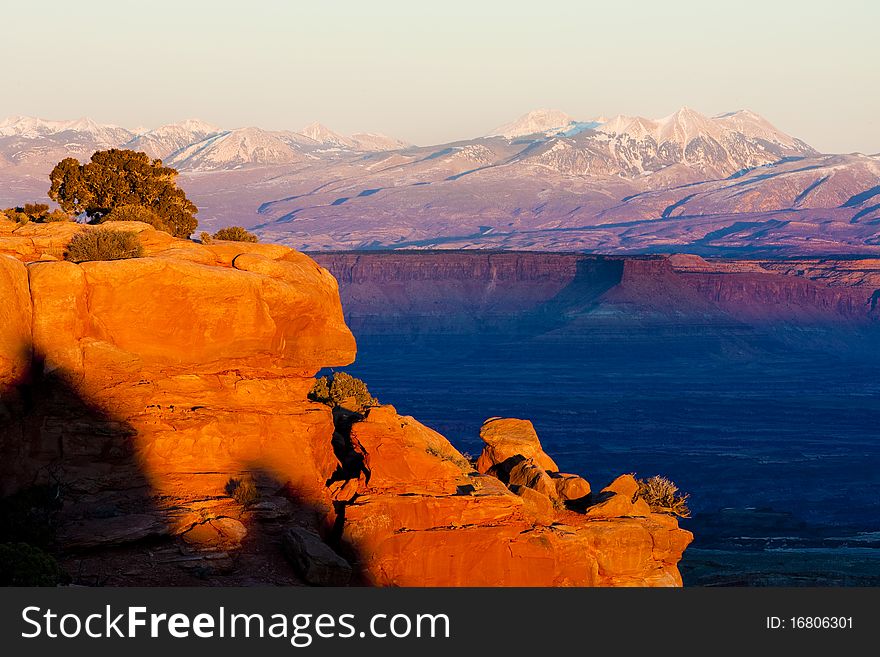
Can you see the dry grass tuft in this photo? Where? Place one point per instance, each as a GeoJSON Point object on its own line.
{"type": "Point", "coordinates": [103, 244]}
{"type": "Point", "coordinates": [662, 496]}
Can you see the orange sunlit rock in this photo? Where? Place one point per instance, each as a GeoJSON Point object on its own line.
{"type": "Point", "coordinates": [161, 384]}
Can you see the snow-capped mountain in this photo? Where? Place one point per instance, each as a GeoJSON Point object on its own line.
{"type": "Point", "coordinates": [188, 145]}
{"type": "Point", "coordinates": [538, 121]}
{"type": "Point", "coordinates": [686, 124]}
{"type": "Point", "coordinates": [697, 145]}
{"type": "Point", "coordinates": [235, 149]}
{"type": "Point", "coordinates": [324, 136]}
{"type": "Point", "coordinates": [545, 180]}
{"type": "Point", "coordinates": [168, 139]}
{"type": "Point", "coordinates": [38, 143]}
{"type": "Point", "coordinates": [373, 141]}
{"type": "Point", "coordinates": [359, 141]}
{"type": "Point", "coordinates": [28, 127]}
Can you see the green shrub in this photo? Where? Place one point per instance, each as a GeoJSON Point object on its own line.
{"type": "Point", "coordinates": [56, 216]}
{"type": "Point", "coordinates": [34, 210]}
{"type": "Point", "coordinates": [663, 496]}
{"type": "Point", "coordinates": [341, 386]}
{"type": "Point", "coordinates": [119, 177]}
{"type": "Point", "coordinates": [206, 238]}
{"type": "Point", "coordinates": [103, 244]}
{"type": "Point", "coordinates": [19, 218]}
{"type": "Point", "coordinates": [25, 565]}
{"type": "Point", "coordinates": [37, 212]}
{"type": "Point", "coordinates": [140, 213]}
{"type": "Point", "coordinates": [320, 392]}
{"type": "Point", "coordinates": [244, 490]}
{"type": "Point", "coordinates": [234, 234]}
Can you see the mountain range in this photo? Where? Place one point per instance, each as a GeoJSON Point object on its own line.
{"type": "Point", "coordinates": [725, 184]}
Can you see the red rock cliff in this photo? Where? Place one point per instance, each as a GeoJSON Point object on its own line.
{"type": "Point", "coordinates": [456, 291]}
{"type": "Point", "coordinates": [144, 390]}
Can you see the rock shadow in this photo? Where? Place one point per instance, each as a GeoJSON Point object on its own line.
{"type": "Point", "coordinates": [73, 484]}
{"type": "Point", "coordinates": [594, 276]}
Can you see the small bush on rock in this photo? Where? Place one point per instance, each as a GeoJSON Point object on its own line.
{"type": "Point", "coordinates": [20, 218]}
{"type": "Point", "coordinates": [36, 212]}
{"type": "Point", "coordinates": [103, 244]}
{"type": "Point", "coordinates": [341, 386]}
{"type": "Point", "coordinates": [244, 490]}
{"type": "Point", "coordinates": [25, 565]}
{"type": "Point", "coordinates": [234, 234]}
{"type": "Point", "coordinates": [56, 216]}
{"type": "Point", "coordinates": [663, 496]}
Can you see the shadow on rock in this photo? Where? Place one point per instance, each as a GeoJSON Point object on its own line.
{"type": "Point", "coordinates": [80, 490]}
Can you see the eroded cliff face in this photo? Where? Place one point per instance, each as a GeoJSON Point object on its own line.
{"type": "Point", "coordinates": [142, 391]}
{"type": "Point", "coordinates": [459, 291]}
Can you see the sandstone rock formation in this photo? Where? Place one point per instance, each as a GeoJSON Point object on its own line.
{"type": "Point", "coordinates": [143, 386]}
{"type": "Point", "coordinates": [509, 437]}
{"type": "Point", "coordinates": [433, 520]}
{"type": "Point", "coordinates": [139, 389]}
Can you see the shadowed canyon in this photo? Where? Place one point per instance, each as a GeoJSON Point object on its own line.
{"type": "Point", "coordinates": [752, 384]}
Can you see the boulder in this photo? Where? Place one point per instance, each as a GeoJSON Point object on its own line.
{"type": "Point", "coordinates": [528, 474]}
{"type": "Point", "coordinates": [314, 560]}
{"type": "Point", "coordinates": [536, 505]}
{"type": "Point", "coordinates": [61, 315]}
{"type": "Point", "coordinates": [507, 437]}
{"type": "Point", "coordinates": [571, 487]}
{"type": "Point", "coordinates": [216, 533]}
{"type": "Point", "coordinates": [344, 490]}
{"type": "Point", "coordinates": [625, 485]}
{"type": "Point", "coordinates": [34, 240]}
{"type": "Point", "coordinates": [619, 499]}
{"type": "Point", "coordinates": [402, 453]}
{"type": "Point", "coordinates": [438, 526]}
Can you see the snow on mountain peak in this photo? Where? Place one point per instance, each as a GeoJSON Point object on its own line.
{"type": "Point", "coordinates": [536, 121]}
{"type": "Point", "coordinates": [235, 149]}
{"type": "Point", "coordinates": [324, 135]}
{"type": "Point", "coordinates": [166, 140]}
{"type": "Point", "coordinates": [683, 125]}
{"type": "Point", "coordinates": [686, 124]}
{"type": "Point", "coordinates": [197, 126]}
{"type": "Point", "coordinates": [756, 126]}
{"type": "Point", "coordinates": [30, 127]}
{"type": "Point", "coordinates": [360, 141]}
{"type": "Point", "coordinates": [374, 141]}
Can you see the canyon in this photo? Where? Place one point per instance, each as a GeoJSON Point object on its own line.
{"type": "Point", "coordinates": [138, 395]}
{"type": "Point", "coordinates": [457, 291]}
{"type": "Point", "coordinates": [751, 383]}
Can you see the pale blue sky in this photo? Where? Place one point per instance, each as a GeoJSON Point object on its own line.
{"type": "Point", "coordinates": [436, 71]}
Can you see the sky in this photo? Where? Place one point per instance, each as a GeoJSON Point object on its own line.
{"type": "Point", "coordinates": [431, 72]}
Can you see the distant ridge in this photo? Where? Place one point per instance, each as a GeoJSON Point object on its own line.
{"type": "Point", "coordinates": [728, 183]}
